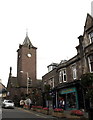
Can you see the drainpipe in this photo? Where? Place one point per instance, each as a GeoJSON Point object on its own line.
{"type": "Point", "coordinates": [56, 100]}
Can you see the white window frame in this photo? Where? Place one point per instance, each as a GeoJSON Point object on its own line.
{"type": "Point", "coordinates": [91, 37]}
{"type": "Point", "coordinates": [51, 82]}
{"type": "Point", "coordinates": [62, 74]}
{"type": "Point", "coordinates": [74, 72]}
{"type": "Point", "coordinates": [90, 69]}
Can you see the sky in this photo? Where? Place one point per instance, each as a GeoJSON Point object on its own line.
{"type": "Point", "coordinates": [53, 27]}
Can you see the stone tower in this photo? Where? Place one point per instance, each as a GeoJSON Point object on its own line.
{"type": "Point", "coordinates": [26, 64]}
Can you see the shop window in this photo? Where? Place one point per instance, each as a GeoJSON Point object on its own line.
{"type": "Point", "coordinates": [90, 61]}
{"type": "Point", "coordinates": [71, 101]}
{"type": "Point", "coordinates": [91, 37]}
{"type": "Point", "coordinates": [69, 95]}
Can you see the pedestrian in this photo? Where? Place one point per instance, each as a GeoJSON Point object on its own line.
{"type": "Point", "coordinates": [63, 103]}
{"type": "Point", "coordinates": [21, 103]}
{"type": "Point", "coordinates": [29, 102]}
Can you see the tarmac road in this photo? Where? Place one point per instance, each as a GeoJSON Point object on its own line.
{"type": "Point", "coordinates": [21, 114]}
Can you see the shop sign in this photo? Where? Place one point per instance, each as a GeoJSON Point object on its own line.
{"type": "Point", "coordinates": [68, 90]}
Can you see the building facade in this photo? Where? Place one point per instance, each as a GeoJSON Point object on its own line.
{"type": "Point", "coordinates": [64, 79]}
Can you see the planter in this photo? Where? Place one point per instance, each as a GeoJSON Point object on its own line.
{"type": "Point", "coordinates": [77, 113]}
{"type": "Point", "coordinates": [33, 108]}
{"type": "Point", "coordinates": [45, 111]}
{"type": "Point", "coordinates": [26, 107]}
{"type": "Point", "coordinates": [39, 108]}
{"type": "Point", "coordinates": [58, 114]}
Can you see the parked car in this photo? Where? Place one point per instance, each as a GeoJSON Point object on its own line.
{"type": "Point", "coordinates": [8, 104]}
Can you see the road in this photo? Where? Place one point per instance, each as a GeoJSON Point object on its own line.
{"type": "Point", "coordinates": [21, 114]}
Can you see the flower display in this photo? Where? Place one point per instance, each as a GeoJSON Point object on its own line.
{"type": "Point", "coordinates": [39, 107]}
{"type": "Point", "coordinates": [58, 110]}
{"type": "Point", "coordinates": [45, 108]}
{"type": "Point", "coordinates": [77, 112]}
{"type": "Point", "coordinates": [34, 106]}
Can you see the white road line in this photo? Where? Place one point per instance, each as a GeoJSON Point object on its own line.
{"type": "Point", "coordinates": [33, 113]}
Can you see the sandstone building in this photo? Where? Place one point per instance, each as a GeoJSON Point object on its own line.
{"type": "Point", "coordinates": [64, 78]}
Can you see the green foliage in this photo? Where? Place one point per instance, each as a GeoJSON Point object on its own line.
{"type": "Point", "coordinates": [87, 80]}
{"type": "Point", "coordinates": [87, 83]}
{"type": "Point", "coordinates": [47, 88]}
{"type": "Point", "coordinates": [47, 91]}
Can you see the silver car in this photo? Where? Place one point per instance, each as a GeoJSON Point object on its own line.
{"type": "Point", "coordinates": [8, 104]}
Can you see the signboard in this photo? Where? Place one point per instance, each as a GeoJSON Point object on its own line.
{"type": "Point", "coordinates": [68, 90]}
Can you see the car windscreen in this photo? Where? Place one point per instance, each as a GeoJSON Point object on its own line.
{"type": "Point", "coordinates": [10, 101]}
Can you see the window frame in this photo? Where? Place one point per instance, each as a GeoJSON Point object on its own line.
{"type": "Point", "coordinates": [51, 82]}
{"type": "Point", "coordinates": [62, 76]}
{"type": "Point", "coordinates": [91, 37]}
{"type": "Point", "coordinates": [74, 70]}
{"type": "Point", "coordinates": [89, 62]}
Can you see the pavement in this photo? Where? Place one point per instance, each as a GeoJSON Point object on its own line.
{"type": "Point", "coordinates": [69, 116]}
{"type": "Point", "coordinates": [74, 117]}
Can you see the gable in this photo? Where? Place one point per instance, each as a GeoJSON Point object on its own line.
{"type": "Point", "coordinates": [89, 22]}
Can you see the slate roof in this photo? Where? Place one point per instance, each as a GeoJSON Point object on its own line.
{"type": "Point", "coordinates": [27, 42]}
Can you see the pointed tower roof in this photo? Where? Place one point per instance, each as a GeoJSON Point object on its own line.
{"type": "Point", "coordinates": [27, 41]}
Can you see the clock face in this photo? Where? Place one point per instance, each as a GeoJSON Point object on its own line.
{"type": "Point", "coordinates": [29, 55]}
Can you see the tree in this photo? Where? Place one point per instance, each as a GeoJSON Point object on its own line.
{"type": "Point", "coordinates": [47, 92]}
{"type": "Point", "coordinates": [87, 84]}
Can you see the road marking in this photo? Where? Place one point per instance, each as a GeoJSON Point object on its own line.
{"type": "Point", "coordinates": [33, 113]}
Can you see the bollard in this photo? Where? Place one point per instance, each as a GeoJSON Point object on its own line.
{"type": "Point", "coordinates": [90, 114]}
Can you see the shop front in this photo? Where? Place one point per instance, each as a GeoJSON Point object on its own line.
{"type": "Point", "coordinates": [68, 98]}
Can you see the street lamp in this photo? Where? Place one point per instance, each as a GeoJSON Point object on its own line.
{"type": "Point", "coordinates": [27, 78]}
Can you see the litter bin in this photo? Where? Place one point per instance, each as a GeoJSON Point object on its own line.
{"type": "Point", "coordinates": [90, 113]}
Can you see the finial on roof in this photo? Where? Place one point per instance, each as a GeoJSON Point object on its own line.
{"type": "Point", "coordinates": [26, 32]}
{"type": "Point", "coordinates": [27, 41]}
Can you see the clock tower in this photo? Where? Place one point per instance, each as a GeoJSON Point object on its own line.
{"type": "Point", "coordinates": [26, 64]}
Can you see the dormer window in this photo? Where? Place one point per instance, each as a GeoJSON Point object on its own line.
{"type": "Point", "coordinates": [91, 37]}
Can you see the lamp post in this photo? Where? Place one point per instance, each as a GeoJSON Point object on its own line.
{"type": "Point", "coordinates": [27, 78]}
